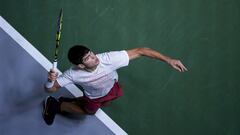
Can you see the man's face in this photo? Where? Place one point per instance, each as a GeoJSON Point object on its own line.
{"type": "Point", "coordinates": [90, 60]}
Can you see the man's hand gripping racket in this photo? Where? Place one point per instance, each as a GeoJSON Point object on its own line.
{"type": "Point", "coordinates": [52, 75]}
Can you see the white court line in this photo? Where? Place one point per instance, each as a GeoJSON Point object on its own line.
{"type": "Point", "coordinates": [43, 61]}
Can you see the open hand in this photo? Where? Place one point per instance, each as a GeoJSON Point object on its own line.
{"type": "Point", "coordinates": [177, 64]}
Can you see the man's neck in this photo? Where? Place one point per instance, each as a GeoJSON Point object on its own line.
{"type": "Point", "coordinates": [90, 69]}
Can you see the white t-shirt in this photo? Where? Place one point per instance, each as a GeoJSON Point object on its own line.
{"type": "Point", "coordinates": [98, 83]}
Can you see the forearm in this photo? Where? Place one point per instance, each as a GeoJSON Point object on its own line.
{"type": "Point", "coordinates": [153, 54]}
{"type": "Point", "coordinates": [50, 90]}
{"type": "Point", "coordinates": [137, 52]}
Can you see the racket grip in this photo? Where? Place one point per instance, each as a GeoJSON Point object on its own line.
{"type": "Point", "coordinates": [54, 65]}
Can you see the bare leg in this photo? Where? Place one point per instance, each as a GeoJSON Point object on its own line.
{"type": "Point", "coordinates": [71, 107]}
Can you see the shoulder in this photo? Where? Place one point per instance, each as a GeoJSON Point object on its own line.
{"type": "Point", "coordinates": [114, 59]}
{"type": "Point", "coordinates": [106, 56]}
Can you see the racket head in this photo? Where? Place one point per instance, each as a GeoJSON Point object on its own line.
{"type": "Point", "coordinates": [60, 21]}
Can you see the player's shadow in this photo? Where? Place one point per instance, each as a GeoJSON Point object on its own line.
{"type": "Point", "coordinates": [73, 116]}
{"type": "Point", "coordinates": [72, 120]}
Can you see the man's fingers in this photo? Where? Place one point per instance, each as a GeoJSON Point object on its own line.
{"type": "Point", "coordinates": [177, 68]}
{"type": "Point", "coordinates": [177, 64]}
{"type": "Point", "coordinates": [52, 75]}
{"type": "Point", "coordinates": [181, 70]}
{"type": "Point", "coordinates": [180, 65]}
{"type": "Point", "coordinates": [183, 67]}
{"type": "Point", "coordinates": [52, 78]}
{"type": "Point", "coordinates": [52, 71]}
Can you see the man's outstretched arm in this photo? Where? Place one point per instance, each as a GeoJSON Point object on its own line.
{"type": "Point", "coordinates": [137, 52]}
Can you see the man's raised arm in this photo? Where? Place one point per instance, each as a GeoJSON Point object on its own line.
{"type": "Point", "coordinates": [137, 52]}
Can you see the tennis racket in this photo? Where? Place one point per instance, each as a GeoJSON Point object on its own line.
{"type": "Point", "coordinates": [58, 36]}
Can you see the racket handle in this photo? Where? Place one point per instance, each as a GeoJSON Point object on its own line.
{"type": "Point", "coordinates": [54, 65]}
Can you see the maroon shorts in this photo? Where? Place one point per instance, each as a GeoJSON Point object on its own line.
{"type": "Point", "coordinates": [91, 106]}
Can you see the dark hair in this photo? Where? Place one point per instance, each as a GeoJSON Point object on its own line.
{"type": "Point", "coordinates": [76, 54]}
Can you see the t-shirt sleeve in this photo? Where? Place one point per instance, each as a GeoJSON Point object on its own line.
{"type": "Point", "coordinates": [116, 59]}
{"type": "Point", "coordinates": [65, 79]}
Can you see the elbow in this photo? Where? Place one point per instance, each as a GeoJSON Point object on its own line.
{"type": "Point", "coordinates": [137, 52]}
{"type": "Point", "coordinates": [142, 50]}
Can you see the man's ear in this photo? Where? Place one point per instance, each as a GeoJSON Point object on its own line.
{"type": "Point", "coordinates": [81, 66]}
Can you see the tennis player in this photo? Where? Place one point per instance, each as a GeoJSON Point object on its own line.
{"type": "Point", "coordinates": [98, 77]}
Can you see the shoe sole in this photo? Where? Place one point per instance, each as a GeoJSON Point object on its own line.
{"type": "Point", "coordinates": [45, 104]}
{"type": "Point", "coordinates": [44, 109]}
